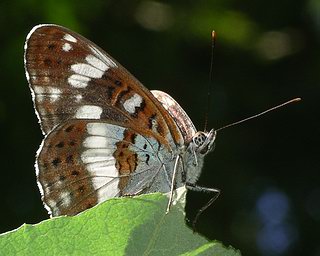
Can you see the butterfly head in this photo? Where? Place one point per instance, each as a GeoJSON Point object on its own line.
{"type": "Point", "coordinates": [203, 141]}
{"type": "Point", "coordinates": [200, 145]}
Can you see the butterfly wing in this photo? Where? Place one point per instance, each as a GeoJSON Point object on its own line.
{"type": "Point", "coordinates": [180, 117]}
{"type": "Point", "coordinates": [84, 162]}
{"type": "Point", "coordinates": [71, 77]}
{"type": "Point", "coordinates": [77, 86]}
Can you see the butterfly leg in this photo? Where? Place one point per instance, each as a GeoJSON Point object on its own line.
{"type": "Point", "coordinates": [198, 188]}
{"type": "Point", "coordinates": [195, 163]}
{"type": "Point", "coordinates": [173, 182]}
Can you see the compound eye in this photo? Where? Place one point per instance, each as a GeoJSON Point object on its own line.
{"type": "Point", "coordinates": [203, 141]}
{"type": "Point", "coordinates": [199, 139]}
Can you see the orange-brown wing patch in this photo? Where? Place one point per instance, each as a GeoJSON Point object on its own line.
{"type": "Point", "coordinates": [126, 159]}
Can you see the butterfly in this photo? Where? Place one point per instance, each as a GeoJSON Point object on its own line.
{"type": "Point", "coordinates": [106, 135]}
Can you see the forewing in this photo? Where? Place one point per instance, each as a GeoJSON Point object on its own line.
{"type": "Point", "coordinates": [70, 77]}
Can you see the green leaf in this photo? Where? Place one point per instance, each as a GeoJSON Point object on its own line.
{"type": "Point", "coordinates": [123, 226]}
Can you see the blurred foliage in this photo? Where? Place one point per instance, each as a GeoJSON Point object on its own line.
{"type": "Point", "coordinates": [266, 52]}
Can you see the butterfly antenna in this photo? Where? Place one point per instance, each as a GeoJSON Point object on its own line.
{"type": "Point", "coordinates": [260, 114]}
{"type": "Point", "coordinates": [213, 42]}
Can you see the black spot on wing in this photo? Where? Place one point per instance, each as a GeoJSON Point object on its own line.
{"type": "Point", "coordinates": [60, 144]}
{"type": "Point", "coordinates": [55, 162]}
{"type": "Point", "coordinates": [117, 82]}
{"type": "Point", "coordinates": [75, 173]}
{"type": "Point", "coordinates": [47, 62]}
{"type": "Point", "coordinates": [147, 159]}
{"type": "Point", "coordinates": [51, 46]}
{"type": "Point", "coordinates": [81, 188]}
{"type": "Point", "coordinates": [72, 143]}
{"type": "Point", "coordinates": [133, 138]}
{"type": "Point", "coordinates": [69, 128]}
{"type": "Point", "coordinates": [139, 109]}
{"type": "Point", "coordinates": [110, 90]}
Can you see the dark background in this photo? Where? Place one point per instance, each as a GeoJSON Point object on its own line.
{"type": "Point", "coordinates": [266, 52]}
